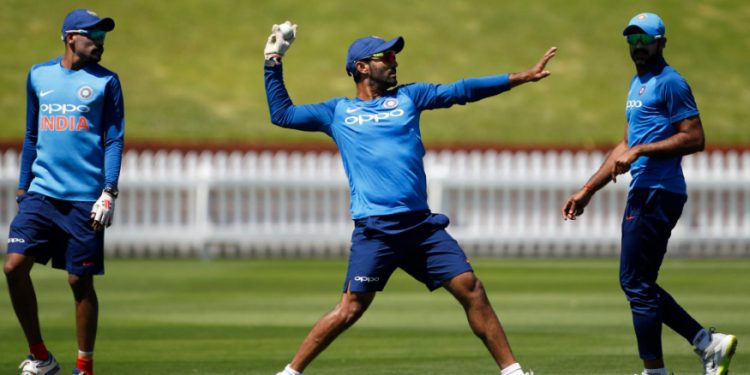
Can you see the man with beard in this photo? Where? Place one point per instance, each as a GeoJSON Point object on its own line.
{"type": "Point", "coordinates": [378, 136]}
{"type": "Point", "coordinates": [68, 183]}
{"type": "Point", "coordinates": [663, 124]}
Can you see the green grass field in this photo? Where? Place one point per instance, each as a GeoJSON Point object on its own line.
{"type": "Point", "coordinates": [248, 317]}
{"type": "Point", "coordinates": [192, 69]}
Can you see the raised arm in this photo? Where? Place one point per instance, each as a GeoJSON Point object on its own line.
{"type": "Point", "coordinates": [535, 73]}
{"type": "Point", "coordinates": [311, 117]}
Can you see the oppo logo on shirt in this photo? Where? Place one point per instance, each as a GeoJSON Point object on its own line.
{"type": "Point", "coordinates": [633, 104]}
{"type": "Point", "coordinates": [55, 108]}
{"type": "Point", "coordinates": [362, 119]}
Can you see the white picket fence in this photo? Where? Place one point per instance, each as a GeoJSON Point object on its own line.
{"type": "Point", "coordinates": [297, 204]}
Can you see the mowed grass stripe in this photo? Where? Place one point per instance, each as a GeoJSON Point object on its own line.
{"type": "Point", "coordinates": [563, 316]}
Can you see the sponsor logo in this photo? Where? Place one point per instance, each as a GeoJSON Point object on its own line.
{"type": "Point", "coordinates": [85, 93]}
{"type": "Point", "coordinates": [58, 117]}
{"type": "Point", "coordinates": [16, 240]}
{"type": "Point", "coordinates": [45, 93]}
{"type": "Point", "coordinates": [88, 264]}
{"type": "Point", "coordinates": [630, 218]}
{"type": "Point", "coordinates": [633, 104]}
{"type": "Point", "coordinates": [366, 279]}
{"type": "Point", "coordinates": [375, 117]}
{"type": "Point", "coordinates": [390, 103]}
{"type": "Point", "coordinates": [642, 90]}
{"type": "Point", "coordinates": [352, 110]}
{"type": "Point", "coordinates": [54, 108]}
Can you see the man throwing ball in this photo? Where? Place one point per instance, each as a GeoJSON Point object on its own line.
{"type": "Point", "coordinates": [378, 135]}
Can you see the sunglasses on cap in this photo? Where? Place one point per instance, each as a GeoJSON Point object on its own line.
{"type": "Point", "coordinates": [91, 34]}
{"type": "Point", "coordinates": [643, 39]}
{"type": "Point", "coordinates": [387, 56]}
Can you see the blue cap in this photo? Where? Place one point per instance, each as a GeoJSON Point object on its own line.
{"type": "Point", "coordinates": [363, 48]}
{"type": "Point", "coordinates": [84, 19]}
{"type": "Point", "coordinates": [648, 23]}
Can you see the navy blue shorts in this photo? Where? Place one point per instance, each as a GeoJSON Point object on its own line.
{"type": "Point", "coordinates": [47, 228]}
{"type": "Point", "coordinates": [414, 241]}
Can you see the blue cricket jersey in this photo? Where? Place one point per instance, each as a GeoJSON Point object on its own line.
{"type": "Point", "coordinates": [656, 101]}
{"type": "Point", "coordinates": [74, 131]}
{"type": "Point", "coordinates": [379, 140]}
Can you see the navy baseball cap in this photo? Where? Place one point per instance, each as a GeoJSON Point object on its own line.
{"type": "Point", "coordinates": [84, 19]}
{"type": "Point", "coordinates": [648, 23]}
{"type": "Point", "coordinates": [363, 48]}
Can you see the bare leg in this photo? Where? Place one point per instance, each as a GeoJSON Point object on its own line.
{"type": "Point", "coordinates": [331, 325]}
{"type": "Point", "coordinates": [87, 310]}
{"type": "Point", "coordinates": [17, 269]}
{"type": "Point", "coordinates": [469, 291]}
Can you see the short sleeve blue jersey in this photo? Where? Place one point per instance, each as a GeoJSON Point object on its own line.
{"type": "Point", "coordinates": [656, 101]}
{"type": "Point", "coordinates": [379, 140]}
{"type": "Point", "coordinates": [74, 131]}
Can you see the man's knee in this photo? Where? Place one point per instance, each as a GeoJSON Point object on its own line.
{"type": "Point", "coordinates": [467, 283]}
{"type": "Point", "coordinates": [17, 266]}
{"type": "Point", "coordinates": [82, 286]}
{"type": "Point", "coordinates": [352, 307]}
{"type": "Point", "coordinates": [641, 298]}
{"type": "Point", "coordinates": [468, 289]}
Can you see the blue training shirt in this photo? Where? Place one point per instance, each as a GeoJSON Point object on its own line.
{"type": "Point", "coordinates": [379, 140]}
{"type": "Point", "coordinates": [74, 131]}
{"type": "Point", "coordinates": [656, 101]}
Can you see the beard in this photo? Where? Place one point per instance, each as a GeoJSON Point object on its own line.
{"type": "Point", "coordinates": [387, 79]}
{"type": "Point", "coordinates": [93, 55]}
{"type": "Point", "coordinates": [643, 57]}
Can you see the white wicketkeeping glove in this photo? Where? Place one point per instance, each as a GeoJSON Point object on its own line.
{"type": "Point", "coordinates": [103, 210]}
{"type": "Point", "coordinates": [281, 38]}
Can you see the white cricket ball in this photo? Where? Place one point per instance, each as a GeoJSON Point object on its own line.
{"type": "Point", "coordinates": [286, 31]}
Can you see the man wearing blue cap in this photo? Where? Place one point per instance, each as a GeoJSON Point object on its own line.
{"type": "Point", "coordinates": [378, 135]}
{"type": "Point", "coordinates": [68, 183]}
{"type": "Point", "coordinates": [663, 125]}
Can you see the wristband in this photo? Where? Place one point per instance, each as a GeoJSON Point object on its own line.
{"type": "Point", "coordinates": [273, 60]}
{"type": "Point", "coordinates": [111, 191]}
{"type": "Point", "coordinates": [588, 187]}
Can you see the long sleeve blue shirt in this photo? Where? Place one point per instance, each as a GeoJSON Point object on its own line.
{"type": "Point", "coordinates": [74, 131]}
{"type": "Point", "coordinates": [379, 140]}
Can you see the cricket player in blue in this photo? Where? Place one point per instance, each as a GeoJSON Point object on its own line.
{"type": "Point", "coordinates": [68, 183]}
{"type": "Point", "coordinates": [663, 124]}
{"type": "Point", "coordinates": [378, 135]}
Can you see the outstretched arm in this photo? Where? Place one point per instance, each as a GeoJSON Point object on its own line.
{"type": "Point", "coordinates": [431, 96]}
{"type": "Point", "coordinates": [536, 72]}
